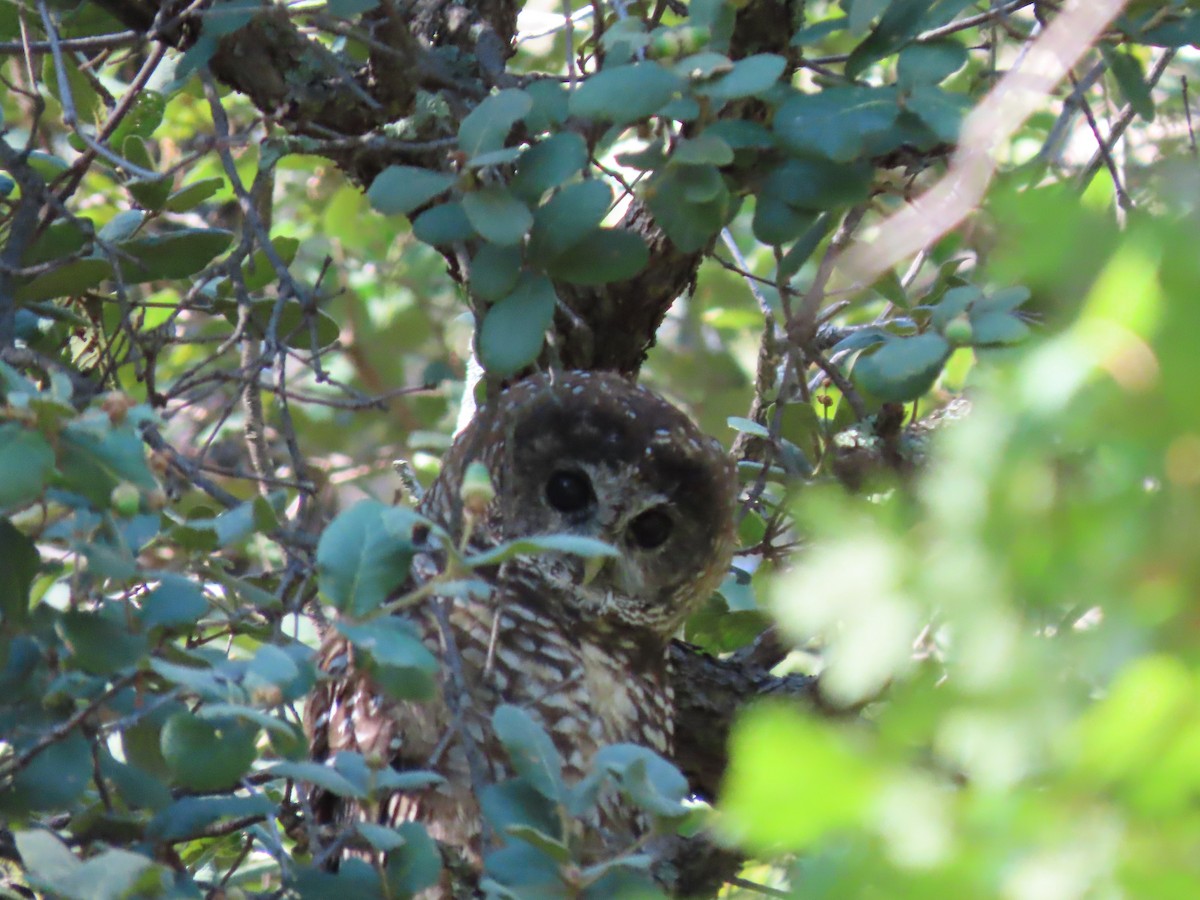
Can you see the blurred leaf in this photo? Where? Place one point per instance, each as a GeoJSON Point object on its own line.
{"type": "Point", "coordinates": [810, 765]}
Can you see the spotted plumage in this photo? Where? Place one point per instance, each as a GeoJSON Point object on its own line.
{"type": "Point", "coordinates": [583, 651]}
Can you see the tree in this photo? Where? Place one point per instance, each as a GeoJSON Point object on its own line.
{"type": "Point", "coordinates": [249, 248]}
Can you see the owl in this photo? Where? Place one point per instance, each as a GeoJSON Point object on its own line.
{"type": "Point", "coordinates": [579, 644]}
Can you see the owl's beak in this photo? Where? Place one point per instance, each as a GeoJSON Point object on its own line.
{"type": "Point", "coordinates": [593, 567]}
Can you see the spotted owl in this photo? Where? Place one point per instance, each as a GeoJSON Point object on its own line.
{"type": "Point", "coordinates": [580, 645]}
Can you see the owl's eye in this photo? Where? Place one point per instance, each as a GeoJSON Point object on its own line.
{"type": "Point", "coordinates": [569, 492]}
{"type": "Point", "coordinates": [651, 529]}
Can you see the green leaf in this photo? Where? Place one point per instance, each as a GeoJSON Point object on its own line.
{"type": "Point", "coordinates": [497, 215]}
{"type": "Point", "coordinates": [48, 862]}
{"type": "Point", "coordinates": [532, 753]}
{"type": "Point", "coordinates": [175, 602]}
{"type": "Point", "coordinates": [109, 875]}
{"type": "Point", "coordinates": [547, 165]}
{"type": "Point", "coordinates": [514, 329]}
{"type": "Point", "coordinates": [442, 225]}
{"type": "Point", "coordinates": [123, 226]}
{"type": "Point", "coordinates": [750, 76]}
{"type": "Point", "coordinates": [380, 837]}
{"type": "Point", "coordinates": [997, 328]}
{"type": "Point", "coordinates": [902, 21]}
{"type": "Point", "coordinates": [47, 165]}
{"type": "Point", "coordinates": [21, 563]}
{"type": "Point", "coordinates": [487, 126]}
{"type": "Point", "coordinates": [192, 195]}
{"type": "Point", "coordinates": [69, 280]}
{"type": "Point", "coordinates": [494, 271]}
{"type": "Point", "coordinates": [605, 255]}
{"type": "Point", "coordinates": [836, 122]}
{"type": "Point", "coordinates": [174, 254]}
{"type": "Point", "coordinates": [191, 815]}
{"type": "Point", "coordinates": [748, 426]}
{"type": "Point", "coordinates": [549, 105]}
{"type": "Point", "coordinates": [98, 643]}
{"type": "Point", "coordinates": [144, 116]}
{"type": "Point", "coordinates": [690, 216]}
{"type": "Point", "coordinates": [318, 774]}
{"type": "Point", "coordinates": [26, 461]}
{"type": "Point", "coordinates": [61, 237]}
{"type": "Point", "coordinates": [515, 803]}
{"type": "Point", "coordinates": [817, 184]}
{"type": "Point", "coordinates": [359, 562]}
{"type": "Point", "coordinates": [624, 94]}
{"type": "Point", "coordinates": [776, 222]}
{"type": "Point", "coordinates": [52, 780]}
{"type": "Point", "coordinates": [257, 272]}
{"type": "Point", "coordinates": [207, 755]}
{"type": "Point", "coordinates": [346, 9]}
{"type": "Point", "coordinates": [931, 62]}
{"type": "Point", "coordinates": [416, 865]}
{"type": "Point", "coordinates": [391, 642]}
{"type": "Point", "coordinates": [567, 217]}
{"type": "Point", "coordinates": [954, 302]}
{"type": "Point", "coordinates": [649, 780]}
{"type": "Point", "coordinates": [703, 149]}
{"type": "Point", "coordinates": [941, 110]}
{"type": "Point", "coordinates": [903, 369]}
{"type": "Point", "coordinates": [1131, 79]}
{"type": "Point", "coordinates": [577, 545]}
{"type": "Point", "coordinates": [1004, 300]}
{"type": "Point", "coordinates": [398, 190]}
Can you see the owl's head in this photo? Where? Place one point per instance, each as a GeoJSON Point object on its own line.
{"type": "Point", "coordinates": [591, 454]}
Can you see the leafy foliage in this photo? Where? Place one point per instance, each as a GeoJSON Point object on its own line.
{"type": "Point", "coordinates": [225, 308]}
